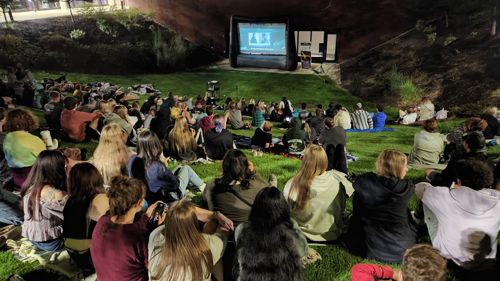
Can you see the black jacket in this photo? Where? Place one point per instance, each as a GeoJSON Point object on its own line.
{"type": "Point", "coordinates": [381, 227]}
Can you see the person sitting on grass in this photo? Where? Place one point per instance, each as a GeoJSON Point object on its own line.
{"type": "Point", "coordinates": [360, 118]}
{"type": "Point", "coordinates": [332, 135]}
{"type": "Point", "coordinates": [5, 173]}
{"type": "Point", "coordinates": [474, 148]}
{"type": "Point", "coordinates": [119, 246]}
{"type": "Point", "coordinates": [331, 111]}
{"type": "Point", "coordinates": [428, 145]}
{"type": "Point", "coordinates": [234, 193]}
{"type": "Point", "coordinates": [44, 195]}
{"type": "Point", "coordinates": [76, 124]}
{"type": "Point", "coordinates": [194, 257]}
{"type": "Point", "coordinates": [276, 115]}
{"type": "Point", "coordinates": [317, 197]}
{"type": "Point", "coordinates": [87, 202]}
{"type": "Point", "coordinates": [184, 112]}
{"type": "Point", "coordinates": [52, 111]}
{"type": "Point", "coordinates": [258, 116]}
{"type": "Point", "coordinates": [206, 123]}
{"type": "Point", "coordinates": [107, 109]}
{"type": "Point", "coordinates": [456, 137]}
{"type": "Point", "coordinates": [181, 141]}
{"type": "Point", "coordinates": [263, 137]}
{"type": "Point", "coordinates": [317, 123]}
{"type": "Point", "coordinates": [162, 184]}
{"type": "Point", "coordinates": [493, 128]}
{"type": "Point", "coordinates": [420, 262]}
{"type": "Point", "coordinates": [304, 113]}
{"type": "Point", "coordinates": [295, 137]}
{"type": "Point", "coordinates": [233, 117]}
{"type": "Point", "coordinates": [426, 109]}
{"type": "Point", "coordinates": [407, 116]}
{"type": "Point", "coordinates": [464, 221]}
{"type": "Point", "coordinates": [379, 117]}
{"type": "Point", "coordinates": [342, 117]}
{"type": "Point", "coordinates": [381, 226]}
{"type": "Point", "coordinates": [270, 239]}
{"type": "Point", "coordinates": [111, 154]}
{"type": "Point", "coordinates": [20, 147]}
{"type": "Point", "coordinates": [286, 106]}
{"type": "Point", "coordinates": [218, 140]}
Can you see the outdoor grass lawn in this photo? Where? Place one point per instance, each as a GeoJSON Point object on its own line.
{"type": "Point", "coordinates": [336, 262]}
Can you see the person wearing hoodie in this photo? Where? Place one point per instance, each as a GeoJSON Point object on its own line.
{"type": "Point", "coordinates": [381, 227]}
{"type": "Point", "coordinates": [464, 221]}
{"type": "Point", "coordinates": [295, 137]}
{"type": "Point", "coordinates": [318, 197]}
{"type": "Point", "coordinates": [474, 145]}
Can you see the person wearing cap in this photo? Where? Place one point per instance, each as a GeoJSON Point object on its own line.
{"type": "Point", "coordinates": [475, 149]}
{"type": "Point", "coordinates": [361, 119]}
{"type": "Point", "coordinates": [74, 122]}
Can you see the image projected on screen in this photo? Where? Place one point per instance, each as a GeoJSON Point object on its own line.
{"type": "Point", "coordinates": [262, 38]}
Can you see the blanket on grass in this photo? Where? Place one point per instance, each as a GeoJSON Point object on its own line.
{"type": "Point", "coordinates": [376, 130]}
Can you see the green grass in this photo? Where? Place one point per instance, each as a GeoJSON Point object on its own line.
{"type": "Point", "coordinates": [336, 262]}
{"type": "Point", "coordinates": [235, 84]}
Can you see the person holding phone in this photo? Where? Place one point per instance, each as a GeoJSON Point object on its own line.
{"type": "Point", "coordinates": [119, 242]}
{"type": "Point", "coordinates": [194, 257]}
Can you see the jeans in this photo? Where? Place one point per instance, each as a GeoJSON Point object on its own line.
{"type": "Point", "coordinates": [49, 246]}
{"type": "Point", "coordinates": [187, 177]}
{"type": "Point", "coordinates": [10, 213]}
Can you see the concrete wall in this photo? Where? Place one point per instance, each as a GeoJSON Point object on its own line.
{"type": "Point", "coordinates": [362, 23]}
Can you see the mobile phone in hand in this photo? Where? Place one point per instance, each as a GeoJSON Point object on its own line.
{"type": "Point", "coordinates": [158, 212]}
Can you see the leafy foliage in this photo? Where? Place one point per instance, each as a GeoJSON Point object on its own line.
{"type": "Point", "coordinates": [77, 34]}
{"type": "Point", "coordinates": [170, 49]}
{"type": "Point", "coordinates": [403, 85]}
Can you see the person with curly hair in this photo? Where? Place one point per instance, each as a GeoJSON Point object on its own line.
{"type": "Point", "coordinates": [420, 262]}
{"type": "Point", "coordinates": [464, 221]}
{"type": "Point", "coordinates": [20, 146]}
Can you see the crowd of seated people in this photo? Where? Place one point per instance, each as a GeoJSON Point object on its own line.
{"type": "Point", "coordinates": [121, 214]}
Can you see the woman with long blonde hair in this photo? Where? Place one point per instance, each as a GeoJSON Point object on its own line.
{"type": "Point", "coordinates": [178, 251]}
{"type": "Point", "coordinates": [111, 155]}
{"type": "Point", "coordinates": [183, 108]}
{"type": "Point", "coordinates": [381, 227]}
{"type": "Point", "coordinates": [317, 196]}
{"type": "Point", "coordinates": [181, 142]}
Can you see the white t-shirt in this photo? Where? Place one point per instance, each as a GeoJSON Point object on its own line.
{"type": "Point", "coordinates": [464, 215]}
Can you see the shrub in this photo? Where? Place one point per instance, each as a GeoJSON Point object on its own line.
{"type": "Point", "coordinates": [449, 39]}
{"type": "Point", "coordinates": [431, 37]}
{"type": "Point", "coordinates": [403, 85]}
{"type": "Point", "coordinates": [170, 49]}
{"type": "Point", "coordinates": [77, 34]}
{"type": "Point", "coordinates": [15, 49]}
{"type": "Point", "coordinates": [107, 27]}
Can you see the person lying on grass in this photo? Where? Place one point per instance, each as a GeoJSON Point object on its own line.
{"type": "Point", "coordinates": [420, 263]}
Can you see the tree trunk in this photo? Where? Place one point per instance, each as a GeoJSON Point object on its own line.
{"type": "Point", "coordinates": [70, 11]}
{"type": "Point", "coordinates": [5, 16]}
{"type": "Point", "coordinates": [494, 23]}
{"type": "Point", "coordinates": [10, 15]}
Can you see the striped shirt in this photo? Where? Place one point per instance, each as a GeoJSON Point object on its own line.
{"type": "Point", "coordinates": [361, 120]}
